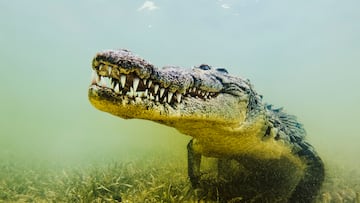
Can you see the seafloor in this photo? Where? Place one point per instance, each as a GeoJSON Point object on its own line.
{"type": "Point", "coordinates": [146, 179]}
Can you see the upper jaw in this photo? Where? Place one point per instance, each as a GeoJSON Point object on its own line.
{"type": "Point", "coordinates": [113, 63]}
{"type": "Point", "coordinates": [125, 74]}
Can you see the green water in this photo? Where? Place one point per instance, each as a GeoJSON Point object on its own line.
{"type": "Point", "coordinates": [302, 55]}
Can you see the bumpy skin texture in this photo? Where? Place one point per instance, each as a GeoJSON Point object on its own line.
{"type": "Point", "coordinates": [260, 151]}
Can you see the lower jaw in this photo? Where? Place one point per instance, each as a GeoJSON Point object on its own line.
{"type": "Point", "coordinates": [126, 107]}
{"type": "Point", "coordinates": [173, 114]}
{"type": "Point", "coordinates": [130, 97]}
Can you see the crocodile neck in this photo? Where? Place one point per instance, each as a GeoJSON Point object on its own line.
{"type": "Point", "coordinates": [247, 138]}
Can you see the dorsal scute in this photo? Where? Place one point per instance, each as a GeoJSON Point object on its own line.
{"type": "Point", "coordinates": [288, 126]}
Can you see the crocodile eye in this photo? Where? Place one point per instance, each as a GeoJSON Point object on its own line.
{"type": "Point", "coordinates": [222, 70]}
{"type": "Point", "coordinates": [204, 67]}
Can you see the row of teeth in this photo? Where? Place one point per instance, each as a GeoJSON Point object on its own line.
{"type": "Point", "coordinates": [157, 93]}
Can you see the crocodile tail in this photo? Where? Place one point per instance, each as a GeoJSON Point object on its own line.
{"type": "Point", "coordinates": [309, 187]}
{"type": "Point", "coordinates": [291, 131]}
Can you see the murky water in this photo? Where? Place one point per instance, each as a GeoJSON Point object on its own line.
{"type": "Point", "coordinates": [301, 55]}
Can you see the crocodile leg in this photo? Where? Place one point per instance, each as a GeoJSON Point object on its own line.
{"type": "Point", "coordinates": [194, 160]}
{"type": "Point", "coordinates": [223, 166]}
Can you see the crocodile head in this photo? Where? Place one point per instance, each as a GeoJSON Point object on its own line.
{"type": "Point", "coordinates": [203, 97]}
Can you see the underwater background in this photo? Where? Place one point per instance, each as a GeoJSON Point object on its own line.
{"type": "Point", "coordinates": [300, 55]}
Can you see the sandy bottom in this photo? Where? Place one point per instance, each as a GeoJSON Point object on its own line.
{"type": "Point", "coordinates": [146, 179]}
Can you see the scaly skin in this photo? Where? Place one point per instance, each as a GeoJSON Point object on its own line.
{"type": "Point", "coordinates": [261, 151]}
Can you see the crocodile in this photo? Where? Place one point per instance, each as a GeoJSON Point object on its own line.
{"type": "Point", "coordinates": [260, 151]}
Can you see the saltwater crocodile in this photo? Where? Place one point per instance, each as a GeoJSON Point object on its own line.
{"type": "Point", "coordinates": [260, 150]}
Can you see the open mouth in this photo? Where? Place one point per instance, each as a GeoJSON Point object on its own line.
{"type": "Point", "coordinates": [130, 83]}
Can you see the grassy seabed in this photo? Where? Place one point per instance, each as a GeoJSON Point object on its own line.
{"type": "Point", "coordinates": [147, 179]}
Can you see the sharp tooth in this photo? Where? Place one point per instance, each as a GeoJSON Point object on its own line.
{"type": "Point", "coordinates": [140, 93]}
{"type": "Point", "coordinates": [102, 82]}
{"type": "Point", "coordinates": [138, 99]}
{"type": "Point", "coordinates": [157, 98]}
{"type": "Point", "coordinates": [123, 80]}
{"type": "Point", "coordinates": [124, 101]}
{"type": "Point", "coordinates": [203, 94]}
{"type": "Point", "coordinates": [151, 97]}
{"type": "Point", "coordinates": [178, 97]}
{"type": "Point", "coordinates": [135, 83]}
{"type": "Point", "coordinates": [112, 82]}
{"type": "Point", "coordinates": [156, 88]}
{"type": "Point", "coordinates": [170, 94]}
{"type": "Point", "coordinates": [108, 82]}
{"type": "Point", "coordinates": [162, 90]}
{"type": "Point", "coordinates": [98, 79]}
{"type": "Point", "coordinates": [109, 70]}
{"type": "Point", "coordinates": [144, 80]}
{"type": "Point", "coordinates": [131, 92]}
{"type": "Point", "coordinates": [194, 89]}
{"type": "Point", "coordinates": [146, 92]}
{"type": "Point", "coordinates": [116, 88]}
{"type": "Point", "coordinates": [164, 100]}
{"type": "Point", "coordinates": [149, 84]}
